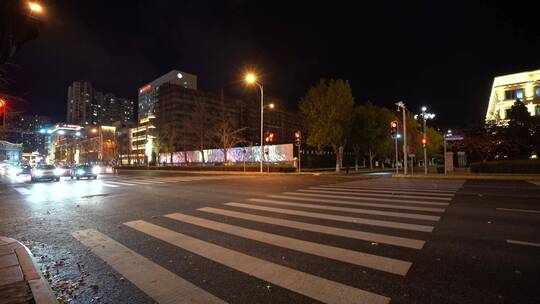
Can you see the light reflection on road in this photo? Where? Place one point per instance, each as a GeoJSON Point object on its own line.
{"type": "Point", "coordinates": [66, 188]}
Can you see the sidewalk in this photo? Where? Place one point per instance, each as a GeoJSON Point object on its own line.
{"type": "Point", "coordinates": [20, 279]}
{"type": "Point", "coordinates": [476, 176]}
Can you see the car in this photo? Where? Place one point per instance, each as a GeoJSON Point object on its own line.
{"type": "Point", "coordinates": [45, 172]}
{"type": "Point", "coordinates": [24, 169]}
{"type": "Point", "coordinates": [88, 171]}
{"type": "Point", "coordinates": [66, 170]}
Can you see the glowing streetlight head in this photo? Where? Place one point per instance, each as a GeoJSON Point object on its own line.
{"type": "Point", "coordinates": [424, 109]}
{"type": "Point", "coordinates": [35, 7]}
{"type": "Point", "coordinates": [271, 106]}
{"type": "Point", "coordinates": [251, 78]}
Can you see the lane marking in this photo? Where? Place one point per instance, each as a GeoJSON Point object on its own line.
{"type": "Point", "coordinates": [348, 219]}
{"type": "Point", "coordinates": [523, 243]}
{"type": "Point", "coordinates": [157, 282]}
{"type": "Point", "coordinates": [362, 198]}
{"type": "Point", "coordinates": [395, 193]}
{"type": "Point", "coordinates": [109, 185]}
{"type": "Point", "coordinates": [120, 183]}
{"type": "Point", "coordinates": [341, 232]}
{"type": "Point", "coordinates": [377, 194]}
{"type": "Point", "coordinates": [535, 182]}
{"type": "Point", "coordinates": [415, 216]}
{"type": "Point", "coordinates": [390, 265]}
{"type": "Point", "coordinates": [312, 198]}
{"type": "Point", "coordinates": [377, 205]}
{"type": "Point", "coordinates": [519, 210]}
{"type": "Point", "coordinates": [23, 191]}
{"type": "Point", "coordinates": [300, 282]}
{"type": "Point", "coordinates": [367, 187]}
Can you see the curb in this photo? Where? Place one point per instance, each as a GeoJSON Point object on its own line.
{"type": "Point", "coordinates": [471, 177]}
{"type": "Point", "coordinates": [20, 279]}
{"type": "Point", "coordinates": [248, 173]}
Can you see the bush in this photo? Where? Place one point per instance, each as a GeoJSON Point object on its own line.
{"type": "Point", "coordinates": [507, 166]}
{"type": "Point", "coordinates": [249, 168]}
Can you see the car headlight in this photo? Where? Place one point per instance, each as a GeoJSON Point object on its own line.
{"type": "Point", "coordinates": [58, 171]}
{"type": "Point", "coordinates": [80, 172]}
{"type": "Point", "coordinates": [96, 170]}
{"type": "Point", "coordinates": [38, 173]}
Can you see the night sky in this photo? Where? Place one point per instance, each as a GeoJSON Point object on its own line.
{"type": "Point", "coordinates": [443, 54]}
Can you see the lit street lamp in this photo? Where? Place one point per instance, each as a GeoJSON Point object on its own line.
{"type": "Point", "coordinates": [424, 116]}
{"type": "Point", "coordinates": [252, 79]}
{"type": "Point", "coordinates": [35, 8]}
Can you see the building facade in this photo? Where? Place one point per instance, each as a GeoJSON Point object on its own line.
{"type": "Point", "coordinates": [142, 142]}
{"type": "Point", "coordinates": [507, 89]}
{"type": "Point", "coordinates": [88, 106]}
{"type": "Point", "coordinates": [148, 92]}
{"type": "Point", "coordinates": [10, 152]}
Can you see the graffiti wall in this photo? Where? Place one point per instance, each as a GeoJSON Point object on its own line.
{"type": "Point", "coordinates": [276, 153]}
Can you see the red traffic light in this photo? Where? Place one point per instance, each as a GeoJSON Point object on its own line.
{"type": "Point", "coordinates": [297, 134]}
{"type": "Point", "coordinates": [2, 103]}
{"type": "Point", "coordinates": [424, 141]}
{"type": "Point", "coordinates": [393, 124]}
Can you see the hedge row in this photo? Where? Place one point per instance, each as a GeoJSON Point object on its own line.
{"type": "Point", "coordinates": [250, 168]}
{"type": "Point", "coordinates": [507, 166]}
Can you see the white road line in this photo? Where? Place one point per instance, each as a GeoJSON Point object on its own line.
{"type": "Point", "coordinates": [120, 183]}
{"type": "Point", "coordinates": [332, 201]}
{"type": "Point", "coordinates": [367, 187]}
{"type": "Point", "coordinates": [377, 205]}
{"type": "Point", "coordinates": [303, 283]}
{"type": "Point", "coordinates": [361, 198]}
{"type": "Point", "coordinates": [157, 282]}
{"type": "Point", "coordinates": [518, 210]}
{"type": "Point", "coordinates": [390, 265]}
{"type": "Point", "coordinates": [354, 234]}
{"type": "Point", "coordinates": [140, 183]}
{"type": "Point", "coordinates": [109, 185]}
{"type": "Point", "coordinates": [356, 210]}
{"type": "Point", "coordinates": [347, 219]}
{"type": "Point", "coordinates": [23, 191]}
{"type": "Point", "coordinates": [535, 182]}
{"type": "Point", "coordinates": [376, 195]}
{"type": "Point", "coordinates": [523, 243]}
{"type": "Point", "coordinates": [397, 193]}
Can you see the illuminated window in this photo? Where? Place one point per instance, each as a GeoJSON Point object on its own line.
{"type": "Point", "coordinates": [537, 111]}
{"type": "Point", "coordinates": [513, 94]}
{"type": "Point", "coordinates": [537, 91]}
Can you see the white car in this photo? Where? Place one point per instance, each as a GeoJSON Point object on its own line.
{"type": "Point", "coordinates": [46, 172]}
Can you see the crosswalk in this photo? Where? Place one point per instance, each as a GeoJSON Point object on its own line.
{"type": "Point", "coordinates": [401, 221]}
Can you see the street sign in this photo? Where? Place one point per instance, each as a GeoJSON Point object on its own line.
{"type": "Point", "coordinates": [412, 150]}
{"type": "Point", "coordinates": [450, 137]}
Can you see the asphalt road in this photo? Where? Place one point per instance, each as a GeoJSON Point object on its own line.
{"type": "Point", "coordinates": [144, 237]}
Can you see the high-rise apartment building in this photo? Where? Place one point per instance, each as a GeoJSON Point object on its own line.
{"type": "Point", "coordinates": [148, 93]}
{"type": "Point", "coordinates": [79, 102]}
{"type": "Point", "coordinates": [88, 106]}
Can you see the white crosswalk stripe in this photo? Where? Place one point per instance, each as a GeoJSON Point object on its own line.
{"type": "Point", "coordinates": [356, 220]}
{"type": "Point", "coordinates": [349, 256]}
{"type": "Point", "coordinates": [156, 281]}
{"type": "Point", "coordinates": [354, 234]}
{"type": "Point", "coordinates": [303, 283]}
{"type": "Point", "coordinates": [291, 212]}
{"type": "Point", "coordinates": [364, 198]}
{"type": "Point", "coordinates": [386, 187]}
{"type": "Point", "coordinates": [109, 185]}
{"type": "Point", "coordinates": [377, 194]}
{"type": "Point", "coordinates": [23, 191]}
{"type": "Point", "coordinates": [395, 192]}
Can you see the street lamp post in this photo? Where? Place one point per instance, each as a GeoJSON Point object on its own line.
{"type": "Point", "coordinates": [401, 106]}
{"type": "Point", "coordinates": [252, 79]}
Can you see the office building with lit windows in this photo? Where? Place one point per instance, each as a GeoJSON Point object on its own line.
{"type": "Point", "coordinates": [507, 89]}
{"type": "Point", "coordinates": [148, 93]}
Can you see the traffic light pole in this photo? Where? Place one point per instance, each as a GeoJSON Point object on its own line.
{"type": "Point", "coordinates": [397, 156]}
{"type": "Point", "coordinates": [405, 154]}
{"type": "Point", "coordinates": [424, 144]}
